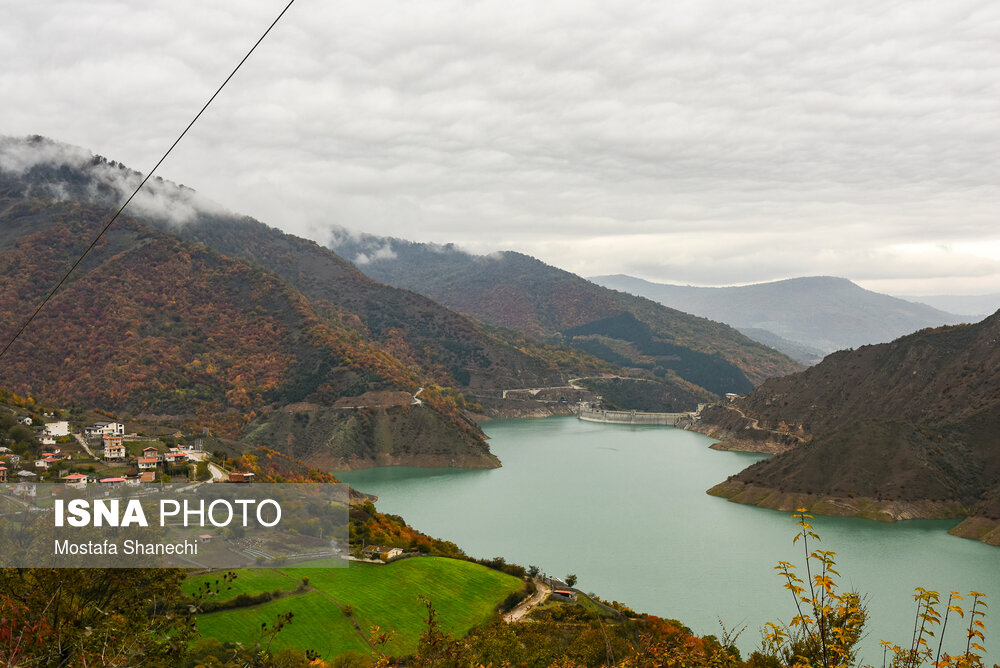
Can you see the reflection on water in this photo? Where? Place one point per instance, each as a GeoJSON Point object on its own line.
{"type": "Point", "coordinates": [625, 509]}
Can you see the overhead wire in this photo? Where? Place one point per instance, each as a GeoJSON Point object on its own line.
{"type": "Point", "coordinates": [149, 175]}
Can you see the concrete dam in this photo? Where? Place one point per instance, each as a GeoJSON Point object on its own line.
{"type": "Point", "coordinates": [631, 417]}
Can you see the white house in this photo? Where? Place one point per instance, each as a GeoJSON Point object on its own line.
{"type": "Point", "coordinates": [56, 429]}
{"type": "Point", "coordinates": [47, 440]}
{"type": "Point", "coordinates": [105, 429]}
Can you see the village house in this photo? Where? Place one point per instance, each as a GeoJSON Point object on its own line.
{"type": "Point", "coordinates": [382, 552]}
{"type": "Point", "coordinates": [114, 453]}
{"type": "Point", "coordinates": [56, 429]}
{"type": "Point", "coordinates": [241, 477]}
{"type": "Point", "coordinates": [111, 482]}
{"type": "Point", "coordinates": [173, 458]}
{"type": "Point", "coordinates": [47, 440]}
{"type": "Point", "coordinates": [564, 594]}
{"type": "Point", "coordinates": [105, 429]}
{"type": "Point", "coordinates": [148, 463]}
{"type": "Point", "coordinates": [26, 420]}
{"type": "Point", "coordinates": [75, 480]}
{"type": "Point", "coordinates": [150, 451]}
{"type": "Point", "coordinates": [147, 476]}
{"type": "Point", "coordinates": [114, 449]}
{"type": "Point", "coordinates": [3, 474]}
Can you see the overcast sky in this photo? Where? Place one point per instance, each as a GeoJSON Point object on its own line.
{"type": "Point", "coordinates": [694, 142]}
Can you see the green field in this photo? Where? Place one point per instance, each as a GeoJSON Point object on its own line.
{"type": "Point", "coordinates": [463, 593]}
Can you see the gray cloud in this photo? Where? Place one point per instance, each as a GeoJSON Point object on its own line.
{"type": "Point", "coordinates": [702, 142]}
{"type": "Point", "coordinates": [111, 183]}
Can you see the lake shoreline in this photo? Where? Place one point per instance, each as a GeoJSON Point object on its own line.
{"type": "Point", "coordinates": [982, 529]}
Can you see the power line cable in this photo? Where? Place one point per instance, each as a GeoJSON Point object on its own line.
{"type": "Point", "coordinates": [139, 187]}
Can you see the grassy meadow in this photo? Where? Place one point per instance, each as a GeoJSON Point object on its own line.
{"type": "Point", "coordinates": [463, 593]}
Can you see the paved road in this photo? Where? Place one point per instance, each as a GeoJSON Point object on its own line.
{"type": "Point", "coordinates": [218, 475]}
{"type": "Point", "coordinates": [529, 604]}
{"type": "Point", "coordinates": [417, 402]}
{"type": "Point", "coordinates": [83, 443]}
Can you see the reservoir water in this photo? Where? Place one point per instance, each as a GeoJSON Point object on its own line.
{"type": "Point", "coordinates": [625, 509]}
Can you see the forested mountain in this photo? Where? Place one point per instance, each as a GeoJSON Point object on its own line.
{"type": "Point", "coordinates": [183, 311]}
{"type": "Point", "coordinates": [517, 291]}
{"type": "Point", "coordinates": [817, 313]}
{"type": "Point", "coordinates": [901, 429]}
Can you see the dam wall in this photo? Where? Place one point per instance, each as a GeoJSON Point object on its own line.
{"type": "Point", "coordinates": [631, 417]}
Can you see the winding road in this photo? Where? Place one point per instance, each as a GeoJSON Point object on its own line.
{"type": "Point", "coordinates": [529, 604]}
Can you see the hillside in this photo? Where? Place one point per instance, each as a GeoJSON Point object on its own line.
{"type": "Point", "coordinates": [821, 313]}
{"type": "Point", "coordinates": [517, 291]}
{"type": "Point", "coordinates": [895, 430]}
{"type": "Point", "coordinates": [185, 312]}
{"type": "Point", "coordinates": [464, 593]}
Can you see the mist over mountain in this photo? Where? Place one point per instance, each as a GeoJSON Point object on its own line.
{"type": "Point", "coordinates": [816, 313]}
{"type": "Point", "coordinates": [184, 312]}
{"type": "Point", "coordinates": [513, 290]}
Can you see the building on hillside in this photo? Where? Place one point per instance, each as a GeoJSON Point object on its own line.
{"type": "Point", "coordinates": [382, 552]}
{"type": "Point", "coordinates": [105, 429]}
{"type": "Point", "coordinates": [244, 477]}
{"type": "Point", "coordinates": [75, 480]}
{"type": "Point", "coordinates": [47, 440]}
{"type": "Point", "coordinates": [26, 421]}
{"type": "Point", "coordinates": [564, 594]}
{"type": "Point", "coordinates": [150, 451]}
{"type": "Point", "coordinates": [112, 482]}
{"type": "Point", "coordinates": [148, 476]}
{"type": "Point", "coordinates": [148, 463]}
{"type": "Point", "coordinates": [114, 452]}
{"type": "Point", "coordinates": [173, 458]}
{"type": "Point", "coordinates": [56, 429]}
{"type": "Point", "coordinates": [3, 474]}
{"type": "Point", "coordinates": [26, 489]}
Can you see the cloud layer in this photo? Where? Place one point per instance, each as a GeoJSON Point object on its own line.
{"type": "Point", "coordinates": [701, 142]}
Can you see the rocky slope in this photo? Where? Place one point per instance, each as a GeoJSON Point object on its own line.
{"type": "Point", "coordinates": [892, 431]}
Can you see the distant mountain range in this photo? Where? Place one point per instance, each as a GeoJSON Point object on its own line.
{"type": "Point", "coordinates": [805, 318]}
{"type": "Point", "coordinates": [895, 430]}
{"type": "Point", "coordinates": [184, 312]}
{"type": "Point", "coordinates": [973, 305]}
{"type": "Point", "coordinates": [517, 291]}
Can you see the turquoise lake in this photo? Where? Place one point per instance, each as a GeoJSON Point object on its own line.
{"type": "Point", "coordinates": [625, 509]}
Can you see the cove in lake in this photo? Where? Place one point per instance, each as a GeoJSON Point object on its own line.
{"type": "Point", "coordinates": [625, 509]}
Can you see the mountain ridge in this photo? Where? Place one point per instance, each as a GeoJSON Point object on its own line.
{"type": "Point", "coordinates": [891, 431]}
{"type": "Point", "coordinates": [514, 290]}
{"type": "Point", "coordinates": [302, 323]}
{"type": "Point", "coordinates": [825, 313]}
